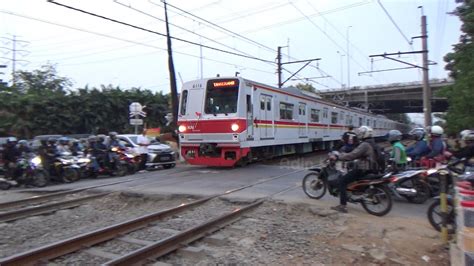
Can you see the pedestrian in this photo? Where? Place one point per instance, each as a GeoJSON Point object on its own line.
{"type": "Point", "coordinates": [143, 142]}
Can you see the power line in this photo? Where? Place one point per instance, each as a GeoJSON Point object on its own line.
{"type": "Point", "coordinates": [260, 45]}
{"type": "Point", "coordinates": [394, 23]}
{"type": "Point", "coordinates": [177, 26]}
{"type": "Point", "coordinates": [155, 32]}
{"type": "Point", "coordinates": [121, 39]}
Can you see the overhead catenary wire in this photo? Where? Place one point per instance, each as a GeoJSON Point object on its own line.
{"type": "Point", "coordinates": [157, 33]}
{"type": "Point", "coordinates": [119, 39]}
{"type": "Point", "coordinates": [232, 33]}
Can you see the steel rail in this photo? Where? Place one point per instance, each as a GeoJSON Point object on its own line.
{"type": "Point", "coordinates": [41, 198]}
{"type": "Point", "coordinates": [174, 242]}
{"type": "Point", "coordinates": [54, 250]}
{"type": "Point", "coordinates": [35, 210]}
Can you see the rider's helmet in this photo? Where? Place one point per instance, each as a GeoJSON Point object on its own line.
{"type": "Point", "coordinates": [63, 141]}
{"type": "Point", "coordinates": [365, 132]}
{"type": "Point", "coordinates": [113, 135]}
{"type": "Point", "coordinates": [465, 132]}
{"type": "Point", "coordinates": [468, 137]}
{"type": "Point", "coordinates": [92, 139]}
{"type": "Point", "coordinates": [11, 140]}
{"type": "Point", "coordinates": [100, 138]}
{"type": "Point", "coordinates": [437, 131]}
{"type": "Point", "coordinates": [350, 127]}
{"type": "Point", "coordinates": [394, 135]}
{"type": "Point", "coordinates": [23, 142]}
{"type": "Point", "coordinates": [419, 135]}
{"type": "Point", "coordinates": [52, 141]}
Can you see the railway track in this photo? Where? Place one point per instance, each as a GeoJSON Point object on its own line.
{"type": "Point", "coordinates": [43, 204]}
{"type": "Point", "coordinates": [169, 220]}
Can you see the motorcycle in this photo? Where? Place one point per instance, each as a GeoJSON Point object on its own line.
{"type": "Point", "coordinates": [451, 171]}
{"type": "Point", "coordinates": [370, 191]}
{"type": "Point", "coordinates": [28, 172]}
{"type": "Point", "coordinates": [65, 168]}
{"type": "Point", "coordinates": [409, 185]}
{"type": "Point", "coordinates": [120, 166]}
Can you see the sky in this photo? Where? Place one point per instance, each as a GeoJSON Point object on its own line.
{"type": "Point", "coordinates": [93, 51]}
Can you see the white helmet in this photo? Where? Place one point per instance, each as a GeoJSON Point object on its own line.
{"type": "Point", "coordinates": [365, 132]}
{"type": "Point", "coordinates": [466, 132]}
{"type": "Point", "coordinates": [437, 130]}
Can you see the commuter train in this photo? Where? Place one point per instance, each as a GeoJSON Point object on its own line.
{"type": "Point", "coordinates": [225, 121]}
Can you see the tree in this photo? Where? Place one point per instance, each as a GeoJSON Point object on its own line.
{"type": "Point", "coordinates": [306, 87]}
{"type": "Point", "coordinates": [460, 64]}
{"type": "Point", "coordinates": [402, 118]}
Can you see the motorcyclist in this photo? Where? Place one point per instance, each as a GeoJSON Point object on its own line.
{"type": "Point", "coordinates": [52, 153]}
{"type": "Point", "coordinates": [43, 153]}
{"type": "Point", "coordinates": [398, 154]}
{"type": "Point", "coordinates": [75, 147]}
{"type": "Point", "coordinates": [63, 146]}
{"type": "Point", "coordinates": [349, 140]}
{"type": "Point", "coordinates": [420, 148]}
{"type": "Point", "coordinates": [367, 163]}
{"type": "Point", "coordinates": [23, 147]}
{"type": "Point", "coordinates": [468, 150]}
{"type": "Point", "coordinates": [113, 142]}
{"type": "Point", "coordinates": [93, 151]}
{"type": "Point", "coordinates": [100, 149]}
{"type": "Point", "coordinates": [436, 145]}
{"type": "Point", "coordinates": [11, 153]}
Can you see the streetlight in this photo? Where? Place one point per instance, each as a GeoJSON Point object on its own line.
{"type": "Point", "coordinates": [342, 68]}
{"type": "Point", "coordinates": [348, 58]}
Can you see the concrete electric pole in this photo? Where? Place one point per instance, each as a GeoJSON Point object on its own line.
{"type": "Point", "coordinates": [426, 84]}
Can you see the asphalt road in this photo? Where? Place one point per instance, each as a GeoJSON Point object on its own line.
{"type": "Point", "coordinates": [283, 182]}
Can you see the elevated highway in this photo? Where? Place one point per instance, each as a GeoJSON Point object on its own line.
{"type": "Point", "coordinates": [391, 98]}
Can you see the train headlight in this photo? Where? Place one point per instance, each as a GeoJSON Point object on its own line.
{"type": "Point", "coordinates": [234, 127]}
{"type": "Point", "coordinates": [182, 128]}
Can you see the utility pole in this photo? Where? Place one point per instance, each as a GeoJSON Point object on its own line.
{"type": "Point", "coordinates": [424, 67]}
{"type": "Point", "coordinates": [14, 50]}
{"type": "Point", "coordinates": [280, 64]}
{"type": "Point", "coordinates": [173, 87]}
{"type": "Point", "coordinates": [348, 59]}
{"type": "Point", "coordinates": [426, 84]}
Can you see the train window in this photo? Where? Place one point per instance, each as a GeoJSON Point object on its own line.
{"type": "Point", "coordinates": [325, 112]}
{"type": "Point", "coordinates": [302, 109]}
{"type": "Point", "coordinates": [360, 121]}
{"type": "Point", "coordinates": [249, 104]}
{"type": "Point", "coordinates": [315, 115]}
{"type": "Point", "coordinates": [221, 96]}
{"type": "Point", "coordinates": [334, 117]}
{"type": "Point", "coordinates": [269, 105]}
{"type": "Point", "coordinates": [184, 101]}
{"type": "Point", "coordinates": [368, 122]}
{"type": "Point", "coordinates": [286, 111]}
{"type": "Point", "coordinates": [375, 124]}
{"type": "Point", "coordinates": [341, 117]}
{"type": "Point", "coordinates": [262, 104]}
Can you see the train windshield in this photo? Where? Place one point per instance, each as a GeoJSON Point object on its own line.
{"type": "Point", "coordinates": [221, 96]}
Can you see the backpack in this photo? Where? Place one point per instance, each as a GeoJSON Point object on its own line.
{"type": "Point", "coordinates": [379, 157]}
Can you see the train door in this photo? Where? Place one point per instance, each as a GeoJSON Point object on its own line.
{"type": "Point", "coordinates": [250, 125]}
{"type": "Point", "coordinates": [266, 117]}
{"type": "Point", "coordinates": [302, 121]}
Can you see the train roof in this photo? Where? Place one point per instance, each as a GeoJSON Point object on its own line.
{"type": "Point", "coordinates": [291, 90]}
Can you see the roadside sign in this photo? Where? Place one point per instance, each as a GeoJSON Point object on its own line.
{"type": "Point", "coordinates": [136, 122]}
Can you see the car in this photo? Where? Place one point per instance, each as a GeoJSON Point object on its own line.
{"type": "Point", "coordinates": [159, 154]}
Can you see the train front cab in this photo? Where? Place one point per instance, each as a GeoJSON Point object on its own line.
{"type": "Point", "coordinates": [212, 122]}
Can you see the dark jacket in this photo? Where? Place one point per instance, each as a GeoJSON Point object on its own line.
{"type": "Point", "coordinates": [418, 150]}
{"type": "Point", "coordinates": [436, 146]}
{"type": "Point", "coordinates": [365, 155]}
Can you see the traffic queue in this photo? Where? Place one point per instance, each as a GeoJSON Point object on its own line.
{"type": "Point", "coordinates": [68, 160]}
{"type": "Point", "coordinates": [372, 177]}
